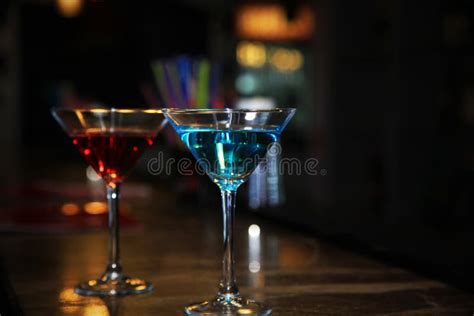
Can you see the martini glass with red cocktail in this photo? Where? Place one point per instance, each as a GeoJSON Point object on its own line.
{"type": "Point", "coordinates": [112, 141]}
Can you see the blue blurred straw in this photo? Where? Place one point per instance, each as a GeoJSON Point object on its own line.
{"type": "Point", "coordinates": [184, 69]}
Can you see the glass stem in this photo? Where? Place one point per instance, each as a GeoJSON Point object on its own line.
{"type": "Point", "coordinates": [228, 284]}
{"type": "Point", "coordinates": [114, 269]}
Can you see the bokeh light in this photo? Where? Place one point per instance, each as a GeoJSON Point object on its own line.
{"type": "Point", "coordinates": [251, 54]}
{"type": "Point", "coordinates": [69, 8]}
{"type": "Point", "coordinates": [70, 209]}
{"type": "Point", "coordinates": [287, 60]}
{"type": "Point", "coordinates": [254, 231]}
{"type": "Point", "coordinates": [95, 208]}
{"type": "Point", "coordinates": [270, 22]}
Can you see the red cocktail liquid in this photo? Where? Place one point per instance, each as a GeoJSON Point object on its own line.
{"type": "Point", "coordinates": [112, 155]}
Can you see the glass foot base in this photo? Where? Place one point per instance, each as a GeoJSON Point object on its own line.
{"type": "Point", "coordinates": [228, 306]}
{"type": "Point", "coordinates": [117, 287]}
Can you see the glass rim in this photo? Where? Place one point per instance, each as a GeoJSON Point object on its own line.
{"type": "Point", "coordinates": [107, 110]}
{"type": "Point", "coordinates": [225, 110]}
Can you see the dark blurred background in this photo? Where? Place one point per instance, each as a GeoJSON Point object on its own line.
{"type": "Point", "coordinates": [384, 92]}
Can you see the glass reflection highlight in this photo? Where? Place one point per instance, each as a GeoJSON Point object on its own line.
{"type": "Point", "coordinates": [256, 277]}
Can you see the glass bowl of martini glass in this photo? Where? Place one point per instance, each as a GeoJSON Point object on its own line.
{"type": "Point", "coordinates": [228, 145]}
{"type": "Point", "coordinates": [111, 141]}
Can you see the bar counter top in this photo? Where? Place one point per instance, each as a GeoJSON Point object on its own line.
{"type": "Point", "coordinates": [179, 248]}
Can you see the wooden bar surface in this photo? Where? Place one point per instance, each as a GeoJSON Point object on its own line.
{"type": "Point", "coordinates": [179, 250]}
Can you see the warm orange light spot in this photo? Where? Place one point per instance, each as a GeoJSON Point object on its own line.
{"type": "Point", "coordinates": [87, 151]}
{"type": "Point", "coordinates": [69, 8]}
{"type": "Point", "coordinates": [70, 209]}
{"type": "Point", "coordinates": [287, 60]}
{"type": "Point", "coordinates": [270, 22]}
{"type": "Point", "coordinates": [95, 208]}
{"type": "Point", "coordinates": [68, 295]}
{"type": "Point", "coordinates": [96, 310]}
{"type": "Point", "coordinates": [251, 54]}
{"type": "Point", "coordinates": [73, 304]}
{"type": "Point", "coordinates": [135, 281]}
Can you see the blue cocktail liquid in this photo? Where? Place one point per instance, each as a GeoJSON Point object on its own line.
{"type": "Point", "coordinates": [228, 156]}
